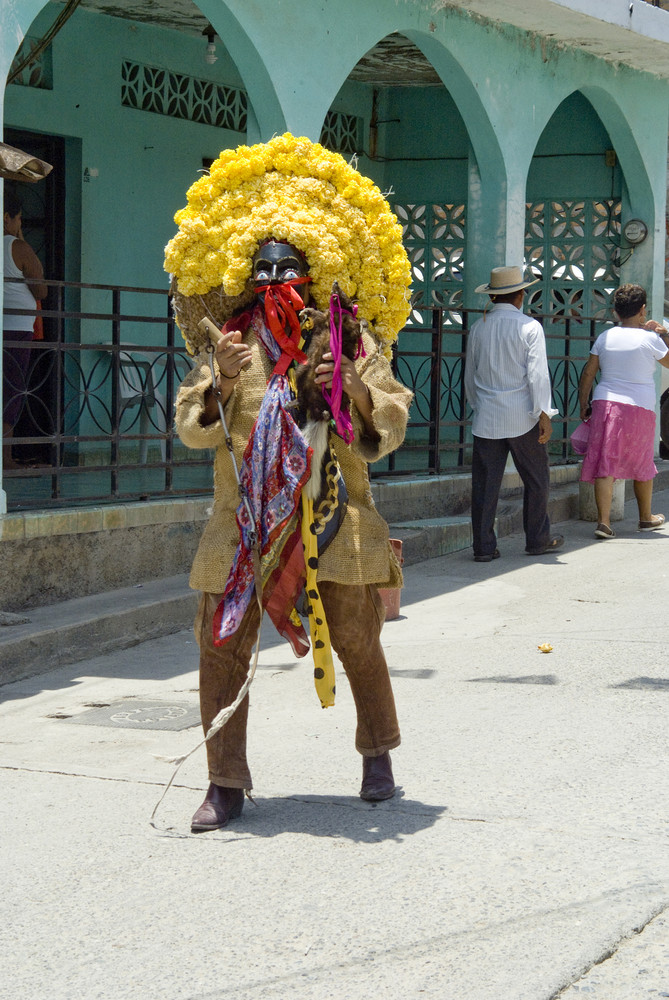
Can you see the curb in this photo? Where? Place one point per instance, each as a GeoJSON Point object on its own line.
{"type": "Point", "coordinates": [75, 630]}
{"type": "Point", "coordinates": [70, 631]}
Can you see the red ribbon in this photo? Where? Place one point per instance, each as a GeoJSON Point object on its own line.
{"type": "Point", "coordinates": [282, 303]}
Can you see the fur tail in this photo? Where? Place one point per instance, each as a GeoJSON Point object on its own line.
{"type": "Point", "coordinates": [316, 434]}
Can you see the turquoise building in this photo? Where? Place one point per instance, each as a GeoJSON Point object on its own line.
{"type": "Point", "coordinates": [502, 134]}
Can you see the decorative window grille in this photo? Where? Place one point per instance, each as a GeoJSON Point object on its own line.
{"type": "Point", "coordinates": [38, 72]}
{"type": "Point", "coordinates": [162, 92]}
{"type": "Point", "coordinates": [434, 238]}
{"type": "Point", "coordinates": [341, 133]}
{"type": "Point", "coordinates": [573, 248]}
{"type": "Point", "coordinates": [430, 359]}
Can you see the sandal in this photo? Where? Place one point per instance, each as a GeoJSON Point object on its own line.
{"type": "Point", "coordinates": [603, 531]}
{"type": "Point", "coordinates": [656, 521]}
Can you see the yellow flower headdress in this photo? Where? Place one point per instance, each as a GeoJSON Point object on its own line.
{"type": "Point", "coordinates": [295, 190]}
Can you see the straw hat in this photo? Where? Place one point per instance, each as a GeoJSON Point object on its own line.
{"type": "Point", "coordinates": [504, 280]}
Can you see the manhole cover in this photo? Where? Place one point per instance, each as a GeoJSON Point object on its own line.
{"type": "Point", "coordinates": [174, 715]}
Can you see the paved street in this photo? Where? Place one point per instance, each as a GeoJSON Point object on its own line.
{"type": "Point", "coordinates": [526, 857]}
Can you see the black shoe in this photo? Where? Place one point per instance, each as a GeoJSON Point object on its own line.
{"type": "Point", "coordinates": [556, 542]}
{"type": "Point", "coordinates": [219, 807]}
{"type": "Point", "coordinates": [377, 778]}
{"type": "Point", "coordinates": [495, 555]}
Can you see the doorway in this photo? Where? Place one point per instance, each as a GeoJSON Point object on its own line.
{"type": "Point", "coordinates": [43, 213]}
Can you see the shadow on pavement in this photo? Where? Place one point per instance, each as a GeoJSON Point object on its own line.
{"type": "Point", "coordinates": [343, 817]}
{"type": "Point", "coordinates": [644, 684]}
{"type": "Point", "coordinates": [452, 571]}
{"type": "Point", "coordinates": [508, 679]}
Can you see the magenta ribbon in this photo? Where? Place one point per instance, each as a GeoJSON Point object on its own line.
{"type": "Point", "coordinates": [341, 418]}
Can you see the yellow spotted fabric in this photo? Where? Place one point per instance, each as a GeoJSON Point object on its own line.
{"type": "Point", "coordinates": [324, 675]}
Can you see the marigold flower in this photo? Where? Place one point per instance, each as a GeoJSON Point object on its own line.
{"type": "Point", "coordinates": [296, 190]}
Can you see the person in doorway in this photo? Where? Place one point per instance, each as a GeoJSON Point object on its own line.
{"type": "Point", "coordinates": [20, 262]}
{"type": "Point", "coordinates": [290, 236]}
{"type": "Point", "coordinates": [508, 387]}
{"type": "Point", "coordinates": [621, 441]}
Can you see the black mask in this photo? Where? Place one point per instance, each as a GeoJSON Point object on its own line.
{"type": "Point", "coordinates": [275, 263]}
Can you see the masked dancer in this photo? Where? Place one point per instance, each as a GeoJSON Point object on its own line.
{"type": "Point", "coordinates": [275, 228]}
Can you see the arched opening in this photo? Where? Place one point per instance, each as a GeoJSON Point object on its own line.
{"type": "Point", "coordinates": [586, 178]}
{"type": "Point", "coordinates": [574, 191]}
{"type": "Point", "coordinates": [128, 112]}
{"type": "Point", "coordinates": [395, 114]}
{"type": "Point", "coordinates": [573, 243]}
{"type": "Point", "coordinates": [416, 124]}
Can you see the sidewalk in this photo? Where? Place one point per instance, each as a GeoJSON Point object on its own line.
{"type": "Point", "coordinates": [525, 858]}
{"type": "Point", "coordinates": [125, 593]}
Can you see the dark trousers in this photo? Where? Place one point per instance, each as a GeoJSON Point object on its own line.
{"type": "Point", "coordinates": [15, 365]}
{"type": "Point", "coordinates": [489, 462]}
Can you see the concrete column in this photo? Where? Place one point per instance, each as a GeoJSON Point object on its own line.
{"type": "Point", "coordinates": [515, 214]}
{"type": "Point", "coordinates": [587, 508]}
{"type": "Point", "coordinates": [495, 224]}
{"type": "Point", "coordinates": [485, 233]}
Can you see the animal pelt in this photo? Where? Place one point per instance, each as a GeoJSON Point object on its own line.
{"type": "Point", "coordinates": [310, 409]}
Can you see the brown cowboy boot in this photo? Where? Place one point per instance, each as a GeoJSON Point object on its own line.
{"type": "Point", "coordinates": [377, 778]}
{"type": "Point", "coordinates": [219, 807]}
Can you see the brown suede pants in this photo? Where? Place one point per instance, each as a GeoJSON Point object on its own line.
{"type": "Point", "coordinates": [355, 615]}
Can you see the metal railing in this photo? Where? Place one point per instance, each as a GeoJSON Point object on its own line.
{"type": "Point", "coordinates": [98, 398]}
{"type": "Point", "coordinates": [435, 374]}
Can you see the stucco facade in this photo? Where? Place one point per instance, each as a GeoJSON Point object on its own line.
{"type": "Point", "coordinates": [508, 118]}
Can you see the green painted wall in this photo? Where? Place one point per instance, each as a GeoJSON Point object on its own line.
{"type": "Point", "coordinates": [423, 145]}
{"type": "Point", "coordinates": [144, 162]}
{"type": "Point", "coordinates": [516, 118]}
{"type": "Point", "coordinates": [503, 97]}
{"type": "Point", "coordinates": [570, 154]}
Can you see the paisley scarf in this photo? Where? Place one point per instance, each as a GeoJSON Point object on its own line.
{"type": "Point", "coordinates": [275, 467]}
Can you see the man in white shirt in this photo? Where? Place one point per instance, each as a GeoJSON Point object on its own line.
{"type": "Point", "coordinates": [508, 387]}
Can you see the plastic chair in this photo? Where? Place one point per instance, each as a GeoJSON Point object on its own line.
{"type": "Point", "coordinates": [137, 388]}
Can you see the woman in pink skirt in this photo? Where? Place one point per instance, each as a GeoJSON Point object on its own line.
{"type": "Point", "coordinates": [622, 426]}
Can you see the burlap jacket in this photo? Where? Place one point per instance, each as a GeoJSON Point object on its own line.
{"type": "Point", "coordinates": [360, 552]}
